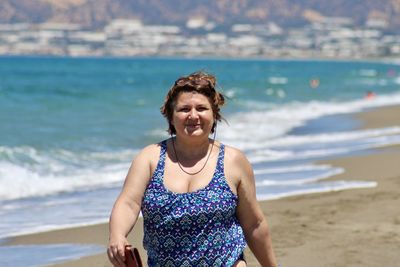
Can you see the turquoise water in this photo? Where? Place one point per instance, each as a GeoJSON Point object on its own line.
{"type": "Point", "coordinates": [70, 127]}
{"type": "Point", "coordinates": [109, 104]}
{"type": "Point", "coordinates": [44, 255]}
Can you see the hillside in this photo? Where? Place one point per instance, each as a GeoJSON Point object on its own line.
{"type": "Point", "coordinates": [97, 13]}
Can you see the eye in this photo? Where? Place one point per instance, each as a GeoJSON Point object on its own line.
{"type": "Point", "coordinates": [184, 109]}
{"type": "Point", "coordinates": [202, 108]}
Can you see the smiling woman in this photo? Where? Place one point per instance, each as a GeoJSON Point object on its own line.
{"type": "Point", "coordinates": [201, 83]}
{"type": "Point", "coordinates": [192, 114]}
{"type": "Point", "coordinates": [197, 196]}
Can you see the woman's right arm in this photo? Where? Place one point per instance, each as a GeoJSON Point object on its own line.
{"type": "Point", "coordinates": [127, 206]}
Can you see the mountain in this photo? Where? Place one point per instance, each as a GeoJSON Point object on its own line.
{"type": "Point", "coordinates": [286, 13]}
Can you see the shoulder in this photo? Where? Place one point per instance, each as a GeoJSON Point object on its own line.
{"type": "Point", "coordinates": [235, 155]}
{"type": "Point", "coordinates": [149, 153]}
{"type": "Point", "coordinates": [146, 160]}
{"type": "Point", "coordinates": [151, 149]}
{"type": "Point", "coordinates": [237, 162]}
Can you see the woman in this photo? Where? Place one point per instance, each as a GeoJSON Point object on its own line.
{"type": "Point", "coordinates": [196, 195]}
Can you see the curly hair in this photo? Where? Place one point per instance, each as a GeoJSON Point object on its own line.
{"type": "Point", "coordinates": [199, 82]}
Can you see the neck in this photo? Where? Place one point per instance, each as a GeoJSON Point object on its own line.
{"type": "Point", "coordinates": [193, 149]}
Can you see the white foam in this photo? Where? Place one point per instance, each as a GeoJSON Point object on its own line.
{"type": "Point", "coordinates": [319, 188]}
{"type": "Point", "coordinates": [397, 80]}
{"type": "Point", "coordinates": [314, 146]}
{"type": "Point", "coordinates": [300, 179]}
{"type": "Point", "coordinates": [247, 130]}
{"type": "Point", "coordinates": [368, 72]}
{"type": "Point", "coordinates": [336, 136]}
{"type": "Point", "coordinates": [18, 182]}
{"type": "Point", "coordinates": [278, 80]}
{"type": "Point", "coordinates": [42, 228]}
{"type": "Point", "coordinates": [28, 172]}
{"type": "Point", "coordinates": [293, 168]}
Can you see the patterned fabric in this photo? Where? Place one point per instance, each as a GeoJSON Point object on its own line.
{"type": "Point", "coordinates": [191, 229]}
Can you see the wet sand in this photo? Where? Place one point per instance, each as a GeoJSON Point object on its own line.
{"type": "Point", "coordinates": [357, 227]}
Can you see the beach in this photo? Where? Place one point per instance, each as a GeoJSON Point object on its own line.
{"type": "Point", "coordinates": [355, 227]}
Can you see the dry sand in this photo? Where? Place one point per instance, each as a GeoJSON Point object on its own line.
{"type": "Point", "coordinates": [357, 227]}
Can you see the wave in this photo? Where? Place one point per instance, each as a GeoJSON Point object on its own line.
{"type": "Point", "coordinates": [27, 171]}
{"type": "Point", "coordinates": [312, 188]}
{"type": "Point", "coordinates": [265, 136]}
{"type": "Point", "coordinates": [248, 129]}
{"type": "Point", "coordinates": [294, 175]}
{"type": "Point", "coordinates": [322, 145]}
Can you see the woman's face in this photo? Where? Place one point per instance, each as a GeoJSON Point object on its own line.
{"type": "Point", "coordinates": [193, 115]}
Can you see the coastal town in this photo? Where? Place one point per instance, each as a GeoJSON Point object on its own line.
{"type": "Point", "coordinates": [332, 37]}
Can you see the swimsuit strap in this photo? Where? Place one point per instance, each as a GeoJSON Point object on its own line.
{"type": "Point", "coordinates": [159, 171]}
{"type": "Point", "coordinates": [221, 154]}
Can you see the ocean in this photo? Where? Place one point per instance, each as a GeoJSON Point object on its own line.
{"type": "Point", "coordinates": [69, 127]}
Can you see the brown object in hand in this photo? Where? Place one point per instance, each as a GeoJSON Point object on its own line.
{"type": "Point", "coordinates": [132, 257]}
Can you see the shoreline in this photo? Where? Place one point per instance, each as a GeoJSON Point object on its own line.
{"type": "Point", "coordinates": [354, 227]}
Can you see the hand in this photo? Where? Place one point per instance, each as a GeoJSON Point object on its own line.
{"type": "Point", "coordinates": [116, 251]}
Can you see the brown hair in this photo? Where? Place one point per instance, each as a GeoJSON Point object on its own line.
{"type": "Point", "coordinates": [199, 82]}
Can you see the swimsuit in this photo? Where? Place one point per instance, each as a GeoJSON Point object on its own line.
{"type": "Point", "coordinates": [197, 228]}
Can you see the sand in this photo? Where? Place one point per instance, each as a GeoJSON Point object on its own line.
{"type": "Point", "coordinates": [356, 227]}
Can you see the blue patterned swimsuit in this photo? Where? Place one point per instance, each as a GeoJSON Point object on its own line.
{"type": "Point", "coordinates": [191, 229]}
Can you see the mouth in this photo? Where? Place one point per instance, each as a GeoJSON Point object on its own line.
{"type": "Point", "coordinates": [192, 125]}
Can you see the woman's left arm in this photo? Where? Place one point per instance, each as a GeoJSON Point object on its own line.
{"type": "Point", "coordinates": [250, 215]}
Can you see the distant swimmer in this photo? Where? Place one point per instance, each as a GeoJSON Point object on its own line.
{"type": "Point", "coordinates": [314, 83]}
{"type": "Point", "coordinates": [370, 95]}
{"type": "Point", "coordinates": [391, 73]}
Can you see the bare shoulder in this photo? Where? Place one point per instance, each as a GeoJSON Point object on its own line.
{"type": "Point", "coordinates": [148, 156]}
{"type": "Point", "coordinates": [149, 152]}
{"type": "Point", "coordinates": [237, 165]}
{"type": "Point", "coordinates": [144, 163]}
{"type": "Point", "coordinates": [235, 156]}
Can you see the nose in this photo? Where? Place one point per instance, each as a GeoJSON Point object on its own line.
{"type": "Point", "coordinates": [193, 114]}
